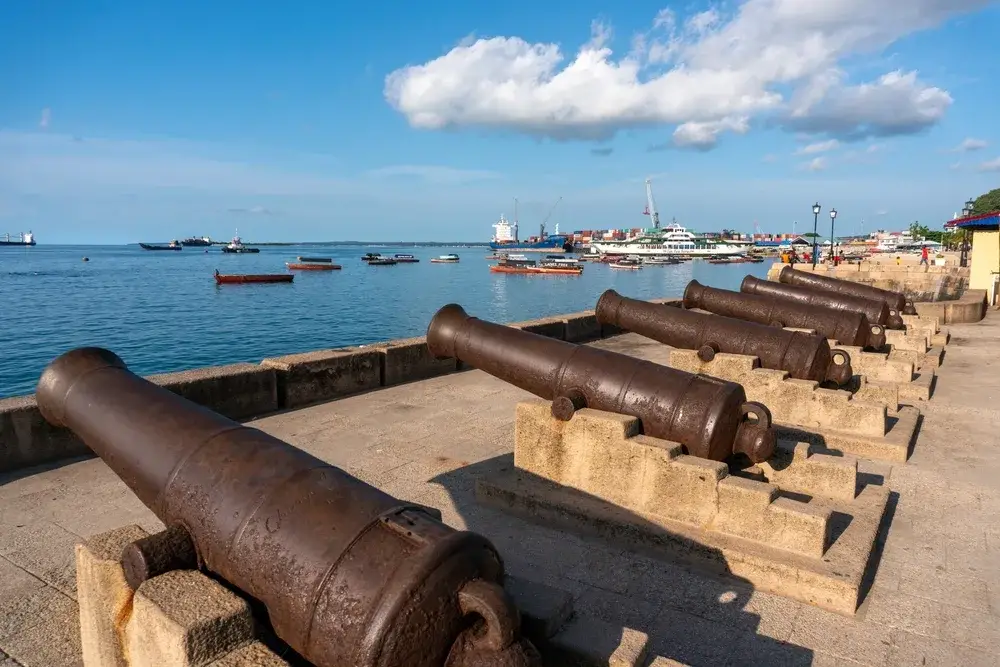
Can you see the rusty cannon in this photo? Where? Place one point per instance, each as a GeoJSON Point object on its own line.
{"type": "Point", "coordinates": [845, 327]}
{"type": "Point", "coordinates": [805, 356]}
{"type": "Point", "coordinates": [348, 574]}
{"type": "Point", "coordinates": [875, 310]}
{"type": "Point", "coordinates": [895, 300]}
{"type": "Point", "coordinates": [711, 418]}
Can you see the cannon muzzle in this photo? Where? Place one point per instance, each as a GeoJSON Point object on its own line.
{"type": "Point", "coordinates": [894, 300]}
{"type": "Point", "coordinates": [875, 310]}
{"type": "Point", "coordinates": [849, 328]}
{"type": "Point", "coordinates": [348, 574]}
{"type": "Point", "coordinates": [805, 356]}
{"type": "Point", "coordinates": [710, 417]}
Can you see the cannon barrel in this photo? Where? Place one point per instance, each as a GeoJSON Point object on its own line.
{"type": "Point", "coordinates": [805, 356]}
{"type": "Point", "coordinates": [710, 417]}
{"type": "Point", "coordinates": [895, 300]}
{"type": "Point", "coordinates": [349, 575]}
{"type": "Point", "coordinates": [846, 327]}
{"type": "Point", "coordinates": [876, 311]}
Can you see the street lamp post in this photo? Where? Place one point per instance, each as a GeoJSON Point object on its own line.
{"type": "Point", "coordinates": [816, 210]}
{"type": "Point", "coordinates": [964, 256]}
{"type": "Point", "coordinates": [833, 216]}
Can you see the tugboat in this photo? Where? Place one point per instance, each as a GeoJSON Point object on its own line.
{"type": "Point", "coordinates": [21, 240]}
{"type": "Point", "coordinates": [197, 241]}
{"type": "Point", "coordinates": [236, 246]}
{"type": "Point", "coordinates": [173, 245]}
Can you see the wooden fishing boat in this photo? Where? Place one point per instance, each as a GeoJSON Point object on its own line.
{"type": "Point", "coordinates": [629, 264]}
{"type": "Point", "coordinates": [445, 259]}
{"type": "Point", "coordinates": [536, 270]}
{"type": "Point", "coordinates": [324, 260]}
{"type": "Point", "coordinates": [312, 267]}
{"type": "Point", "coordinates": [405, 259]}
{"type": "Point", "coordinates": [381, 261]}
{"type": "Point", "coordinates": [173, 245]}
{"type": "Point", "coordinates": [238, 279]}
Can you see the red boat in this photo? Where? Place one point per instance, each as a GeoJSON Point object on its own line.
{"type": "Point", "coordinates": [234, 279]}
{"type": "Point", "coordinates": [312, 267]}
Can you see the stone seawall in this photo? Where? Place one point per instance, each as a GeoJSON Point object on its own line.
{"type": "Point", "coordinates": [937, 291]}
{"type": "Point", "coordinates": [246, 391]}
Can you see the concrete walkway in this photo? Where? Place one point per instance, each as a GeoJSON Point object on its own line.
{"type": "Point", "coordinates": [935, 599]}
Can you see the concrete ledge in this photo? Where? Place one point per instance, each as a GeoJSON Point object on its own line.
{"type": "Point", "coordinates": [408, 360]}
{"type": "Point", "coordinates": [893, 446]}
{"type": "Point", "coordinates": [970, 307]}
{"type": "Point", "coordinates": [594, 475]}
{"type": "Point", "coordinates": [26, 439]}
{"type": "Point", "coordinates": [915, 341]}
{"type": "Point", "coordinates": [237, 391]}
{"type": "Point", "coordinates": [312, 377]}
{"type": "Point", "coordinates": [582, 327]}
{"type": "Point", "coordinates": [791, 401]}
{"type": "Point", "coordinates": [550, 327]}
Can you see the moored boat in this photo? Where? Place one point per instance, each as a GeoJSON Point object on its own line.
{"type": "Point", "coordinates": [631, 264]}
{"type": "Point", "coordinates": [406, 259]}
{"type": "Point", "coordinates": [236, 246]}
{"type": "Point", "coordinates": [381, 261]}
{"type": "Point", "coordinates": [325, 260]}
{"type": "Point", "coordinates": [237, 279]}
{"type": "Point", "coordinates": [23, 239]}
{"type": "Point", "coordinates": [369, 256]}
{"type": "Point", "coordinates": [305, 266]}
{"type": "Point", "coordinates": [173, 245]}
{"type": "Point", "coordinates": [196, 241]}
{"type": "Point", "coordinates": [445, 259]}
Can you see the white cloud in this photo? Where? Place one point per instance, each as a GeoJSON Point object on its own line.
{"type": "Point", "coordinates": [45, 118]}
{"type": "Point", "coordinates": [816, 164]}
{"type": "Point", "coordinates": [774, 60]}
{"type": "Point", "coordinates": [990, 165]}
{"type": "Point", "coordinates": [969, 144]}
{"type": "Point", "coordinates": [818, 147]}
{"type": "Point", "coordinates": [770, 157]}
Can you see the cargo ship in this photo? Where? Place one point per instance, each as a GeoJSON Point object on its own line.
{"type": "Point", "coordinates": [19, 240]}
{"type": "Point", "coordinates": [505, 237]}
{"type": "Point", "coordinates": [195, 241]}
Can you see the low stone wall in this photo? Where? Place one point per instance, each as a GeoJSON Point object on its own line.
{"type": "Point", "coordinates": [937, 291]}
{"type": "Point", "coordinates": [246, 391]}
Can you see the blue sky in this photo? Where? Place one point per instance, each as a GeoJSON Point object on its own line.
{"type": "Point", "coordinates": [127, 121]}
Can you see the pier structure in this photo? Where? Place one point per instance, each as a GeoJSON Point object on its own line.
{"type": "Point", "coordinates": [868, 538]}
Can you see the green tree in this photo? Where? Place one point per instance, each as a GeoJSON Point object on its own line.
{"type": "Point", "coordinates": [918, 231]}
{"type": "Point", "coordinates": [987, 203]}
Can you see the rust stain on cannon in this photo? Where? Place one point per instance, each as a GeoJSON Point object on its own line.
{"type": "Point", "coordinates": [710, 417]}
{"type": "Point", "coordinates": [349, 575]}
{"type": "Point", "coordinates": [875, 310]}
{"type": "Point", "coordinates": [849, 328]}
{"type": "Point", "coordinates": [894, 300]}
{"type": "Point", "coordinates": [805, 356]}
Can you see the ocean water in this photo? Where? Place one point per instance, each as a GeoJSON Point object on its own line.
{"type": "Point", "coordinates": [162, 311]}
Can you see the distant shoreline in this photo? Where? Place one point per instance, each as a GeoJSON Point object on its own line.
{"type": "Point", "coordinates": [388, 244]}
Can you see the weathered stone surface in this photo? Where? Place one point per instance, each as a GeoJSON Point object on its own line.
{"type": "Point", "coordinates": [238, 391]}
{"type": "Point", "coordinates": [409, 360]}
{"type": "Point", "coordinates": [312, 377]}
{"type": "Point", "coordinates": [26, 439]}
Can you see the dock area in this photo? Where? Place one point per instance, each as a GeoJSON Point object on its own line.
{"type": "Point", "coordinates": [932, 592]}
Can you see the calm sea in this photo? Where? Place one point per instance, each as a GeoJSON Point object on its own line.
{"type": "Point", "coordinates": [162, 311]}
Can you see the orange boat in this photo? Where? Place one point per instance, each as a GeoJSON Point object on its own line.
{"type": "Point", "coordinates": [236, 279]}
{"type": "Point", "coordinates": [536, 270]}
{"type": "Point", "coordinates": [312, 267]}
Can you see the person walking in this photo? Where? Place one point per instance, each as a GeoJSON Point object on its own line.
{"type": "Point", "coordinates": [923, 256]}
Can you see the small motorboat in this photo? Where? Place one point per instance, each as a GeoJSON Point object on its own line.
{"type": "Point", "coordinates": [661, 261]}
{"type": "Point", "coordinates": [369, 256]}
{"type": "Point", "coordinates": [324, 260]}
{"type": "Point", "coordinates": [631, 264]}
{"type": "Point", "coordinates": [445, 259]}
{"type": "Point", "coordinates": [381, 261]}
{"type": "Point", "coordinates": [292, 266]}
{"type": "Point", "coordinates": [239, 279]}
{"type": "Point", "coordinates": [406, 259]}
{"type": "Point", "coordinates": [173, 245]}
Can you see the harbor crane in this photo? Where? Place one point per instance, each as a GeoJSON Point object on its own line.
{"type": "Point", "coordinates": [551, 211]}
{"type": "Point", "coordinates": [651, 205]}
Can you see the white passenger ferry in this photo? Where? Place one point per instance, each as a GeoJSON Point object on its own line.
{"type": "Point", "coordinates": [670, 241]}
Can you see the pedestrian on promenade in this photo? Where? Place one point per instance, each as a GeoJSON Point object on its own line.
{"type": "Point", "coordinates": [923, 256]}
